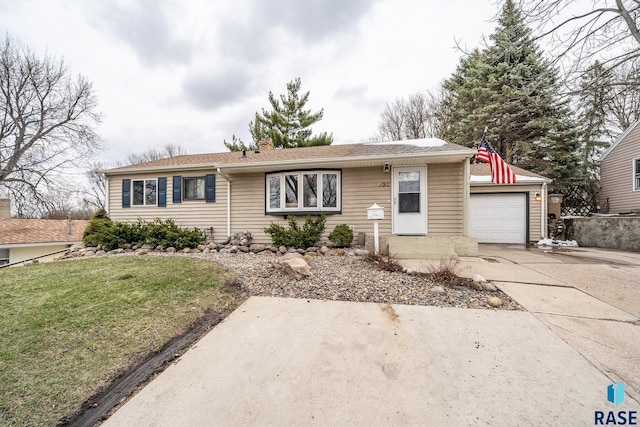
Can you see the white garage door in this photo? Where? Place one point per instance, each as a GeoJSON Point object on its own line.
{"type": "Point", "coordinates": [498, 218]}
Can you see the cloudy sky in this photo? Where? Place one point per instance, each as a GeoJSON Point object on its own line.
{"type": "Point", "coordinates": [194, 72]}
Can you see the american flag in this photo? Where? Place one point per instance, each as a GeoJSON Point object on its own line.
{"type": "Point", "coordinates": [500, 171]}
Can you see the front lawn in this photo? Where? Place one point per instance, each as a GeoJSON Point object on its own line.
{"type": "Point", "coordinates": [68, 328]}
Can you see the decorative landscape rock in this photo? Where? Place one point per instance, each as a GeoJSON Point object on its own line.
{"type": "Point", "coordinates": [324, 250]}
{"type": "Point", "coordinates": [241, 238]}
{"type": "Point", "coordinates": [494, 302]}
{"type": "Point", "coordinates": [258, 248]}
{"type": "Point", "coordinates": [295, 267]}
{"type": "Point", "coordinates": [488, 286]}
{"type": "Point", "coordinates": [361, 252]}
{"type": "Point", "coordinates": [437, 290]}
{"type": "Point", "coordinates": [171, 250]}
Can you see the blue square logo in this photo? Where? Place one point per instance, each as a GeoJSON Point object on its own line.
{"type": "Point", "coordinates": [615, 393]}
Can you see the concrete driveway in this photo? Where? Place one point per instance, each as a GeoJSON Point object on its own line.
{"type": "Point", "coordinates": [589, 297]}
{"type": "Point", "coordinates": [278, 361]}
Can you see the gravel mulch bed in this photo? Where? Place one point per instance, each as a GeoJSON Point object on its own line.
{"type": "Point", "coordinates": [351, 278]}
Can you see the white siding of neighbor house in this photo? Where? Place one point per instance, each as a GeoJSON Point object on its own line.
{"type": "Point", "coordinates": [361, 187]}
{"type": "Point", "coordinates": [189, 213]}
{"type": "Point", "coordinates": [616, 176]}
{"type": "Point", "coordinates": [535, 206]}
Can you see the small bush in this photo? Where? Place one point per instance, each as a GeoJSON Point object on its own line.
{"type": "Point", "coordinates": [99, 231]}
{"type": "Point", "coordinates": [341, 236]}
{"type": "Point", "coordinates": [445, 272]}
{"type": "Point", "coordinates": [295, 236]}
{"type": "Point", "coordinates": [384, 262]}
{"type": "Point", "coordinates": [111, 235]}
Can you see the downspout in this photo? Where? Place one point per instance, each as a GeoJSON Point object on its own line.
{"type": "Point", "coordinates": [106, 194]}
{"type": "Point", "coordinates": [543, 211]}
{"type": "Point", "coordinates": [226, 177]}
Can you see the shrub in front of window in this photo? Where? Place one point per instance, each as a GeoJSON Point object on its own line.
{"type": "Point", "coordinates": [295, 236]}
{"type": "Point", "coordinates": [341, 236]}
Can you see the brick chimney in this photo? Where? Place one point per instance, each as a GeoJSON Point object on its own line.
{"type": "Point", "coordinates": [5, 203]}
{"type": "Point", "coordinates": [265, 144]}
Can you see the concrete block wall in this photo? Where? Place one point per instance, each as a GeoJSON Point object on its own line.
{"type": "Point", "coordinates": [618, 232]}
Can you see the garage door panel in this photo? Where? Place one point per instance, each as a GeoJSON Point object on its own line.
{"type": "Point", "coordinates": [498, 218]}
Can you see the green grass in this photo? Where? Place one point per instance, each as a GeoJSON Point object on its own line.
{"type": "Point", "coordinates": [68, 328]}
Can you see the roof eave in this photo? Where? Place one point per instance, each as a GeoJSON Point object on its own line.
{"type": "Point", "coordinates": [450, 156]}
{"type": "Point", "coordinates": [198, 166]}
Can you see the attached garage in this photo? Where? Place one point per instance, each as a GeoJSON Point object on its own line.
{"type": "Point", "coordinates": [507, 213]}
{"type": "Point", "coordinates": [499, 217]}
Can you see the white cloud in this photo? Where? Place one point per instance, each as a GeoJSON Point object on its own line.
{"type": "Point", "coordinates": [194, 73]}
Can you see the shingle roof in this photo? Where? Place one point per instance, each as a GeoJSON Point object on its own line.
{"type": "Point", "coordinates": [338, 151]}
{"type": "Point", "coordinates": [483, 169]}
{"type": "Point", "coordinates": [17, 231]}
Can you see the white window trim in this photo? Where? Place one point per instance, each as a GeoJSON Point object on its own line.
{"type": "Point", "coordinates": [300, 208]}
{"type": "Point", "coordinates": [144, 187]}
{"type": "Point", "coordinates": [636, 174]}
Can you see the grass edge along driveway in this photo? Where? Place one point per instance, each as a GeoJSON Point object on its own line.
{"type": "Point", "coordinates": [68, 328]}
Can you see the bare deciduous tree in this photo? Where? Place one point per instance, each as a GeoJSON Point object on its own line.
{"type": "Point", "coordinates": [420, 116]}
{"type": "Point", "coordinates": [624, 103]}
{"type": "Point", "coordinates": [169, 150]}
{"type": "Point", "coordinates": [47, 121]}
{"type": "Point", "coordinates": [391, 126]}
{"type": "Point", "coordinates": [604, 30]}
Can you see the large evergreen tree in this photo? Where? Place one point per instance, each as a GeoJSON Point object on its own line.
{"type": "Point", "coordinates": [510, 89]}
{"type": "Point", "coordinates": [288, 124]}
{"type": "Point", "coordinates": [593, 98]}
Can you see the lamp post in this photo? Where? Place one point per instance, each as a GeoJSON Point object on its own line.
{"type": "Point", "coordinates": [375, 213]}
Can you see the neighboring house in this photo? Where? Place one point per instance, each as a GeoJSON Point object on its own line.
{"type": "Point", "coordinates": [620, 173]}
{"type": "Point", "coordinates": [23, 239]}
{"type": "Point", "coordinates": [507, 213]}
{"type": "Point", "coordinates": [423, 186]}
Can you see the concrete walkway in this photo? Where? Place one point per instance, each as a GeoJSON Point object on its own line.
{"type": "Point", "coordinates": [297, 362]}
{"type": "Point", "coordinates": [589, 297]}
{"type": "Point", "coordinates": [288, 362]}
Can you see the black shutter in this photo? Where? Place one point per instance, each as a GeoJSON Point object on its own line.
{"type": "Point", "coordinates": [162, 192]}
{"type": "Point", "coordinates": [177, 189]}
{"type": "Point", "coordinates": [210, 188]}
{"type": "Point", "coordinates": [126, 193]}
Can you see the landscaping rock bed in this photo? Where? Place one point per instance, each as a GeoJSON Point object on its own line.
{"type": "Point", "coordinates": [352, 278]}
{"type": "Point", "coordinates": [336, 274]}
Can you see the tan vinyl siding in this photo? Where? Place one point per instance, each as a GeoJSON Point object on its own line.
{"type": "Point", "coordinates": [361, 187]}
{"type": "Point", "coordinates": [535, 206]}
{"type": "Point", "coordinates": [189, 213]}
{"type": "Point", "coordinates": [445, 199]}
{"type": "Point", "coordinates": [616, 176]}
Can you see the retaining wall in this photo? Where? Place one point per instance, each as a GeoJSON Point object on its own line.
{"type": "Point", "coordinates": [621, 233]}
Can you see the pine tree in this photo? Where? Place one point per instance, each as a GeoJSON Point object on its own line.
{"type": "Point", "coordinates": [236, 144]}
{"type": "Point", "coordinates": [289, 124]}
{"type": "Point", "coordinates": [512, 90]}
{"type": "Point", "coordinates": [593, 96]}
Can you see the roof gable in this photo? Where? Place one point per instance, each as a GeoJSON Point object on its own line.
{"type": "Point", "coordinates": [622, 136]}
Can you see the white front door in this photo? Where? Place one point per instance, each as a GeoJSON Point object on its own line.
{"type": "Point", "coordinates": [410, 200]}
